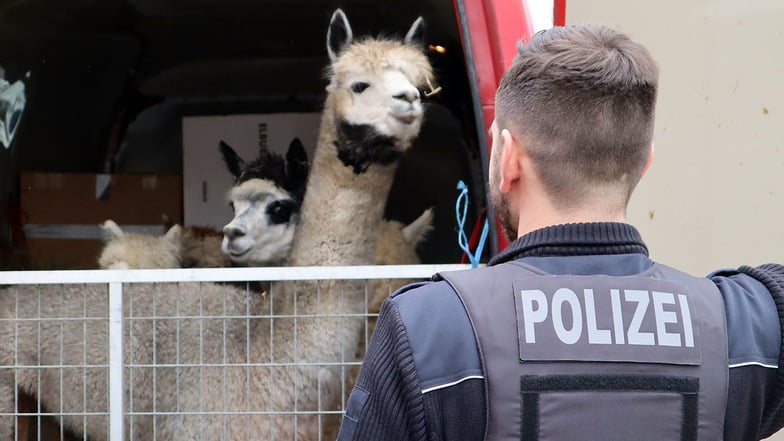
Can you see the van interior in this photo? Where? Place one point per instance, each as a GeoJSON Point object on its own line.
{"type": "Point", "coordinates": [108, 83]}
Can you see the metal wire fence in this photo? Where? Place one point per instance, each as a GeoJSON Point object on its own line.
{"type": "Point", "coordinates": [210, 354]}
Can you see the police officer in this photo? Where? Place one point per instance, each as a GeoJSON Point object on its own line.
{"type": "Point", "coordinates": [573, 332]}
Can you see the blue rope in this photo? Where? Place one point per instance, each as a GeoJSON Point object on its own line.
{"type": "Point", "coordinates": [462, 239]}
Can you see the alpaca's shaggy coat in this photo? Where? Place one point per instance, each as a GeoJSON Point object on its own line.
{"type": "Point", "coordinates": [201, 248]}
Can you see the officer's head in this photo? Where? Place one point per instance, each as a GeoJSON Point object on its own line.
{"type": "Point", "coordinates": [577, 106]}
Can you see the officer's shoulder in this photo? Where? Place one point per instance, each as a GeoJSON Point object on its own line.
{"type": "Point", "coordinates": [434, 295]}
{"type": "Point", "coordinates": [439, 333]}
{"type": "Point", "coordinates": [417, 298]}
{"type": "Point", "coordinates": [747, 293]}
{"type": "Point", "coordinates": [753, 321]}
{"type": "Point", "coordinates": [416, 290]}
{"type": "Point", "coordinates": [736, 280]}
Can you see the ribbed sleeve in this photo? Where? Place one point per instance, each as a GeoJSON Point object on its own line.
{"type": "Point", "coordinates": [395, 408]}
{"type": "Point", "coordinates": [457, 413]}
{"type": "Point", "coordinates": [772, 276]}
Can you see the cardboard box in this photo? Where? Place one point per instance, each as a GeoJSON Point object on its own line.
{"type": "Point", "coordinates": [62, 212]}
{"type": "Point", "coordinates": [206, 180]}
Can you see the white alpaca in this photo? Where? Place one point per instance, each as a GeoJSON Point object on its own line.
{"type": "Point", "coordinates": [136, 250]}
{"type": "Point", "coordinates": [266, 200]}
{"type": "Point", "coordinates": [180, 247]}
{"type": "Point", "coordinates": [372, 113]}
{"type": "Point", "coordinates": [266, 213]}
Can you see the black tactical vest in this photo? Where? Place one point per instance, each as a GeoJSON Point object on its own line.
{"type": "Point", "coordinates": [640, 357]}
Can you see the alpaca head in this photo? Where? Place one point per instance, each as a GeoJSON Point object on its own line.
{"type": "Point", "coordinates": [266, 199]}
{"type": "Point", "coordinates": [374, 93]}
{"type": "Point", "coordinates": [135, 251]}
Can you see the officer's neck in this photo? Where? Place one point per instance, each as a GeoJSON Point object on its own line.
{"type": "Point", "coordinates": [539, 212]}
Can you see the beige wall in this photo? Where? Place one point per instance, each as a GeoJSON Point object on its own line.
{"type": "Point", "coordinates": [714, 196]}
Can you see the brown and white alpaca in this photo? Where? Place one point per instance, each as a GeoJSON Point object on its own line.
{"type": "Point", "coordinates": [201, 248]}
{"type": "Point", "coordinates": [209, 339]}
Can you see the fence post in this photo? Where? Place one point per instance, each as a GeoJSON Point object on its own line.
{"type": "Point", "coordinates": [116, 389]}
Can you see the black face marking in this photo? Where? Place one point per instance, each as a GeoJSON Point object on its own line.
{"type": "Point", "coordinates": [279, 212]}
{"type": "Point", "coordinates": [267, 166]}
{"type": "Point", "coordinates": [360, 145]}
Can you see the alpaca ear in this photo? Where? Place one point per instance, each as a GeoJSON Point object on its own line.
{"type": "Point", "coordinates": [111, 231]}
{"type": "Point", "coordinates": [166, 222]}
{"type": "Point", "coordinates": [296, 156]}
{"type": "Point", "coordinates": [296, 151]}
{"type": "Point", "coordinates": [173, 234]}
{"type": "Point", "coordinates": [416, 35]}
{"type": "Point", "coordinates": [339, 34]}
{"type": "Point", "coordinates": [234, 163]}
{"type": "Point", "coordinates": [415, 232]}
{"type": "Point", "coordinates": [173, 239]}
{"type": "Point", "coordinates": [297, 167]}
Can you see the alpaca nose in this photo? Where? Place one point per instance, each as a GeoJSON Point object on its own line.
{"type": "Point", "coordinates": [409, 95]}
{"type": "Point", "coordinates": [232, 231]}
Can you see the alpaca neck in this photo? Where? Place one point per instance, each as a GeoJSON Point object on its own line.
{"type": "Point", "coordinates": [342, 209]}
{"type": "Point", "coordinates": [339, 224]}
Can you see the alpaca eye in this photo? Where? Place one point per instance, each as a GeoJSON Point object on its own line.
{"type": "Point", "coordinates": [279, 212]}
{"type": "Point", "coordinates": [359, 87]}
{"type": "Point", "coordinates": [231, 205]}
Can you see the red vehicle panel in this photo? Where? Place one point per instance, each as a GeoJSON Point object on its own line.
{"type": "Point", "coordinates": [490, 30]}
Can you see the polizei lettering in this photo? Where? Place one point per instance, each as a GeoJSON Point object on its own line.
{"type": "Point", "coordinates": [583, 319]}
{"type": "Point", "coordinates": [605, 318]}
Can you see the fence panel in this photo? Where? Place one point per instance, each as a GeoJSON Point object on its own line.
{"type": "Point", "coordinates": [213, 354]}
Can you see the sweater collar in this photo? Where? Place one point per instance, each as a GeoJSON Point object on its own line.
{"type": "Point", "coordinates": [596, 238]}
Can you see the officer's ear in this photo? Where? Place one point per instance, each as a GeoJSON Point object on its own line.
{"type": "Point", "coordinates": [649, 161]}
{"type": "Point", "coordinates": [511, 170]}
